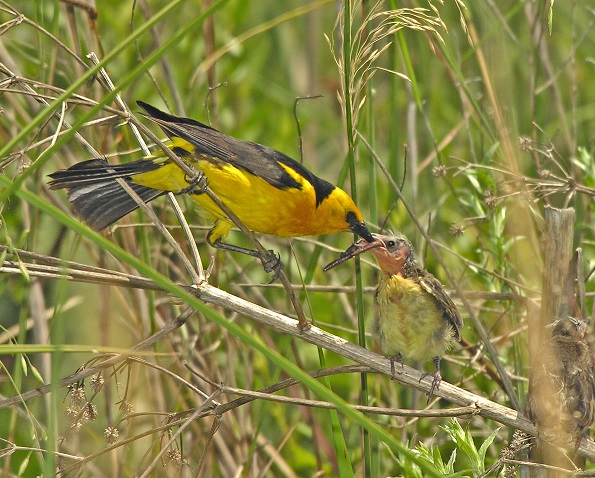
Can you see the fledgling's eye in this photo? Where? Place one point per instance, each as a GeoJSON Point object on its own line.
{"type": "Point", "coordinates": [391, 244]}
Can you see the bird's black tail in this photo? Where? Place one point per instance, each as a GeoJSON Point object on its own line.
{"type": "Point", "coordinates": [95, 194]}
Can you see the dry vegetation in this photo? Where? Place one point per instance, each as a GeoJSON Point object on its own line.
{"type": "Point", "coordinates": [458, 125]}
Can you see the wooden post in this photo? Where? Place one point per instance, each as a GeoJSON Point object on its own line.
{"type": "Point", "coordinates": [559, 232]}
{"type": "Point", "coordinates": [557, 253]}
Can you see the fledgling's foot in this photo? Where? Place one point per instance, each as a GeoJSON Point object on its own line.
{"type": "Point", "coordinates": [395, 358]}
{"type": "Point", "coordinates": [435, 383]}
{"type": "Point", "coordinates": [436, 375]}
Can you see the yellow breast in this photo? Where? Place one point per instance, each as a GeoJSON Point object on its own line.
{"type": "Point", "coordinates": [409, 321]}
{"type": "Point", "coordinates": [262, 207]}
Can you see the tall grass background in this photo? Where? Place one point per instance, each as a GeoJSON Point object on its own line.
{"type": "Point", "coordinates": [481, 114]}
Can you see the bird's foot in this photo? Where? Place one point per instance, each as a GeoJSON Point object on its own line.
{"type": "Point", "coordinates": [272, 263]}
{"type": "Point", "coordinates": [577, 442]}
{"type": "Point", "coordinates": [393, 359]}
{"type": "Point", "coordinates": [435, 382]}
{"type": "Point", "coordinates": [196, 185]}
{"type": "Point", "coordinates": [436, 375]}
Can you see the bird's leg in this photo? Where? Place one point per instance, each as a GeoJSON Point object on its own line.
{"type": "Point", "coordinates": [197, 184]}
{"type": "Point", "coordinates": [395, 358]}
{"type": "Point", "coordinates": [577, 442]}
{"type": "Point", "coordinates": [436, 375]}
{"type": "Point", "coordinates": [271, 262]}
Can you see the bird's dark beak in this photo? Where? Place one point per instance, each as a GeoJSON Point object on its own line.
{"type": "Point", "coordinates": [358, 228]}
{"type": "Point", "coordinates": [355, 250]}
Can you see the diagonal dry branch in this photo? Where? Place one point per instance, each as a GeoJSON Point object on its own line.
{"type": "Point", "coordinates": [281, 323]}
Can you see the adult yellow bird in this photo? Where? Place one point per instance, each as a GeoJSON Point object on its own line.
{"type": "Point", "coordinates": [268, 191]}
{"type": "Point", "coordinates": [416, 318]}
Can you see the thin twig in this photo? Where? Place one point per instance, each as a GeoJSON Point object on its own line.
{"type": "Point", "coordinates": [196, 277]}
{"type": "Point", "coordinates": [297, 120]}
{"type": "Point", "coordinates": [109, 362]}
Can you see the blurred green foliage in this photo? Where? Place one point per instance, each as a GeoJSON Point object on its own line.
{"type": "Point", "coordinates": [505, 126]}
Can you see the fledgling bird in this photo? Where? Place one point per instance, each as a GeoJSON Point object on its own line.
{"type": "Point", "coordinates": [268, 191]}
{"type": "Point", "coordinates": [416, 318]}
{"type": "Point", "coordinates": [561, 398]}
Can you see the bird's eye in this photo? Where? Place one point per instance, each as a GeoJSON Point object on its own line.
{"type": "Point", "coordinates": [565, 332]}
{"type": "Point", "coordinates": [390, 243]}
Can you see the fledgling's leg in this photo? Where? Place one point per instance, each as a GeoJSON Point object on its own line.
{"type": "Point", "coordinates": [436, 375]}
{"type": "Point", "coordinates": [395, 358]}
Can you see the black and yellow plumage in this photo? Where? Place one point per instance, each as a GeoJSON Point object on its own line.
{"type": "Point", "coordinates": [416, 318]}
{"type": "Point", "coordinates": [268, 191]}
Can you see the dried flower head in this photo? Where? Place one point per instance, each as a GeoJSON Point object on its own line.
{"type": "Point", "coordinates": [77, 395]}
{"type": "Point", "coordinates": [506, 453]}
{"type": "Point", "coordinates": [175, 457]}
{"type": "Point", "coordinates": [97, 383]}
{"type": "Point", "coordinates": [439, 171]}
{"type": "Point", "coordinates": [520, 441]}
{"type": "Point", "coordinates": [510, 472]}
{"type": "Point", "coordinates": [23, 165]}
{"type": "Point", "coordinates": [90, 412]}
{"type": "Point", "coordinates": [489, 199]}
{"type": "Point", "coordinates": [76, 426]}
{"type": "Point", "coordinates": [111, 435]}
{"type": "Point", "coordinates": [525, 144]}
{"type": "Point", "coordinates": [456, 230]}
{"type": "Point", "coordinates": [72, 413]}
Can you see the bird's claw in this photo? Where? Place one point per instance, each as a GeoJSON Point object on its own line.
{"type": "Point", "coordinates": [435, 382]}
{"type": "Point", "coordinates": [272, 263]}
{"type": "Point", "coordinates": [395, 358]}
{"type": "Point", "coordinates": [196, 185]}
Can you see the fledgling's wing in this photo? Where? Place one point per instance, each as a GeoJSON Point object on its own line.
{"type": "Point", "coordinates": [433, 287]}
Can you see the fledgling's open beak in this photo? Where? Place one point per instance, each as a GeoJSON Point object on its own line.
{"type": "Point", "coordinates": [355, 249]}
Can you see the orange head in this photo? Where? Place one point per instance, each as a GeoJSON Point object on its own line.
{"type": "Point", "coordinates": [393, 253]}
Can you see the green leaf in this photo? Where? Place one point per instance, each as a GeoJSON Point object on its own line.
{"type": "Point", "coordinates": [36, 373]}
{"type": "Point", "coordinates": [484, 446]}
{"type": "Point", "coordinates": [491, 152]}
{"type": "Point", "coordinates": [464, 441]}
{"type": "Point", "coordinates": [24, 365]}
{"type": "Point", "coordinates": [550, 17]}
{"type": "Point", "coordinates": [24, 464]}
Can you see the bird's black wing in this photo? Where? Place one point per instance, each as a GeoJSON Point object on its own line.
{"type": "Point", "coordinates": [256, 159]}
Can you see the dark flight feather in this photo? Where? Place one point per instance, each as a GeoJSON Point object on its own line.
{"type": "Point", "coordinates": [96, 195]}
{"type": "Point", "coordinates": [254, 158]}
